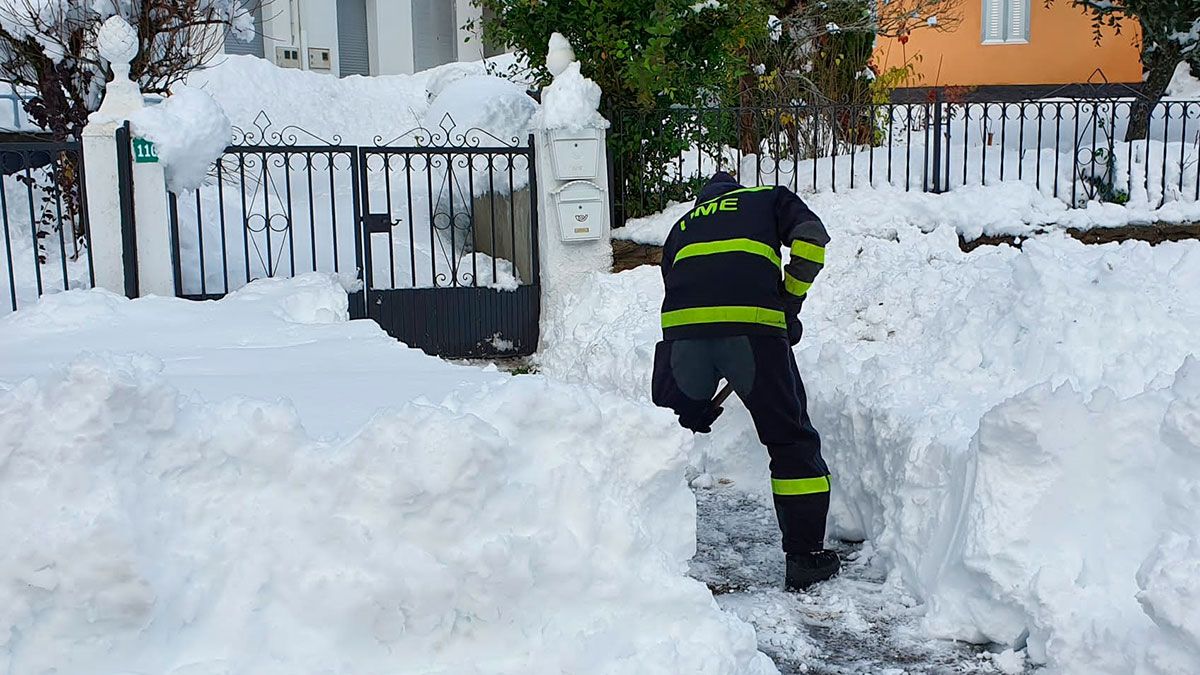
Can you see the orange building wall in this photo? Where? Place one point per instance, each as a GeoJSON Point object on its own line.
{"type": "Point", "coordinates": [1061, 50]}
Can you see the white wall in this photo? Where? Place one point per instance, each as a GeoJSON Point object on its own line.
{"type": "Point", "coordinates": [389, 24]}
{"type": "Point", "coordinates": [318, 28]}
{"type": "Point", "coordinates": [313, 23]}
{"type": "Point", "coordinates": [473, 50]}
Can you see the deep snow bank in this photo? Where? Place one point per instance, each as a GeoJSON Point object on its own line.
{"type": "Point", "coordinates": [912, 349]}
{"type": "Point", "coordinates": [478, 524]}
{"type": "Point", "coordinates": [274, 339]}
{"type": "Point", "coordinates": [1083, 506]}
{"type": "Point", "coordinates": [302, 107]}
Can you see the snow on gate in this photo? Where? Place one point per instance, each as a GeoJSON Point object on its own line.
{"type": "Point", "coordinates": [435, 229]}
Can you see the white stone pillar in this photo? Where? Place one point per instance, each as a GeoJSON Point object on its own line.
{"type": "Point", "coordinates": [574, 234]}
{"type": "Point", "coordinates": [151, 212]}
{"type": "Point", "coordinates": [118, 44]}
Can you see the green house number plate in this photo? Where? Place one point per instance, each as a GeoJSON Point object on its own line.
{"type": "Point", "coordinates": [144, 151]}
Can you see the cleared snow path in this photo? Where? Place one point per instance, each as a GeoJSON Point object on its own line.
{"type": "Point", "coordinates": [855, 623]}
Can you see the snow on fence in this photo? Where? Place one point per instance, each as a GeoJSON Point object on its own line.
{"type": "Point", "coordinates": [1070, 149]}
{"type": "Point", "coordinates": [43, 221]}
{"type": "Point", "coordinates": [443, 208]}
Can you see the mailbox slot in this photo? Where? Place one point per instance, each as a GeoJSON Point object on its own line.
{"type": "Point", "coordinates": [576, 155]}
{"type": "Point", "coordinates": [580, 208]}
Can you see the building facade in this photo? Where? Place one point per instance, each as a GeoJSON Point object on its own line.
{"type": "Point", "coordinates": [1016, 43]}
{"type": "Point", "coordinates": [362, 37]}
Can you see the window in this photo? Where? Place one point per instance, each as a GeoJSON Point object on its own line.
{"type": "Point", "coordinates": [1005, 21]}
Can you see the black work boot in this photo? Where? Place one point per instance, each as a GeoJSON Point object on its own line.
{"type": "Point", "coordinates": [806, 569]}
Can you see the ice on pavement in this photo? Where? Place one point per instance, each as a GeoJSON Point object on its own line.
{"type": "Point", "coordinates": [167, 509]}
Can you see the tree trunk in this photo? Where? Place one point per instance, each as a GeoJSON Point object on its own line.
{"type": "Point", "coordinates": [1158, 65]}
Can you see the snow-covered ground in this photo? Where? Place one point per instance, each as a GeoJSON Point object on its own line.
{"type": "Point", "coordinates": [1010, 208]}
{"type": "Point", "coordinates": [258, 485]}
{"type": "Point", "coordinates": [1013, 430]}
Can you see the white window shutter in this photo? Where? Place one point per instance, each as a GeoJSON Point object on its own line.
{"type": "Point", "coordinates": [993, 20]}
{"type": "Point", "coordinates": [1018, 21]}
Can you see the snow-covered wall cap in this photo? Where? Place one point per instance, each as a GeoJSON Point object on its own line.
{"type": "Point", "coordinates": [571, 101]}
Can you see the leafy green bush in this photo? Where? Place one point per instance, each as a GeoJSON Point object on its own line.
{"type": "Point", "coordinates": [646, 55]}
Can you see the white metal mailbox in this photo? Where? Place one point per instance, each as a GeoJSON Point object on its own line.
{"type": "Point", "coordinates": [576, 155]}
{"type": "Point", "coordinates": [580, 208]}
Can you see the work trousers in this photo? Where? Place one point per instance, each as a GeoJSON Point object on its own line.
{"type": "Point", "coordinates": [763, 372]}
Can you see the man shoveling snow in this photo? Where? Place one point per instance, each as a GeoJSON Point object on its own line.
{"type": "Point", "coordinates": [727, 313]}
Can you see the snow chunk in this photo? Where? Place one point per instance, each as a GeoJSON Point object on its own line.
{"type": "Point", "coordinates": [1010, 662]}
{"type": "Point", "coordinates": [559, 55]}
{"type": "Point", "coordinates": [190, 131]}
{"type": "Point", "coordinates": [774, 28]}
{"type": "Point", "coordinates": [571, 102]}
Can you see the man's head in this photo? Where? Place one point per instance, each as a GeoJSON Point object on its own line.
{"type": "Point", "coordinates": [722, 177]}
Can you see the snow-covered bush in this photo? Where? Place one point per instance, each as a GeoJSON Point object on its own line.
{"type": "Point", "coordinates": [50, 47]}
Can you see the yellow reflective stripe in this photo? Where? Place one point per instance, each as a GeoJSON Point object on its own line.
{"type": "Point", "coordinates": [730, 246]}
{"type": "Point", "coordinates": [810, 252]}
{"type": "Point", "coordinates": [760, 188]}
{"type": "Point", "coordinates": [726, 314]}
{"type": "Point", "coordinates": [799, 486]}
{"type": "Point", "coordinates": [795, 286]}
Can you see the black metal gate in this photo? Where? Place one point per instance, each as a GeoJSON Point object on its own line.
{"type": "Point", "coordinates": [44, 233]}
{"type": "Point", "coordinates": [438, 228]}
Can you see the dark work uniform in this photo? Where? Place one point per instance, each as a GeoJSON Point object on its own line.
{"type": "Point", "coordinates": [731, 312]}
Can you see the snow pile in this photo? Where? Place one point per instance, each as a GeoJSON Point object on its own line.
{"type": "Point", "coordinates": [481, 269]}
{"type": "Point", "coordinates": [266, 100]}
{"type": "Point", "coordinates": [1015, 519]}
{"type": "Point", "coordinates": [190, 132]}
{"type": "Point", "coordinates": [148, 530]}
{"type": "Point", "coordinates": [1078, 501]}
{"type": "Point", "coordinates": [248, 344]}
{"type": "Point", "coordinates": [571, 102]}
{"type": "Point", "coordinates": [481, 110]}
{"type": "Point", "coordinates": [1013, 209]}
{"type": "Point", "coordinates": [477, 111]}
{"type": "Point", "coordinates": [653, 229]}
{"type": "Point", "coordinates": [148, 533]}
{"type": "Point", "coordinates": [1184, 84]}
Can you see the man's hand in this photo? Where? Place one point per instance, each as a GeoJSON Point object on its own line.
{"type": "Point", "coordinates": [795, 330]}
{"type": "Point", "coordinates": [701, 423]}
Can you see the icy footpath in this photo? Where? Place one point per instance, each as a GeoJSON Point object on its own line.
{"type": "Point", "coordinates": [478, 524]}
{"type": "Point", "coordinates": [1014, 431]}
